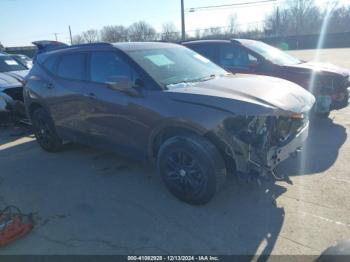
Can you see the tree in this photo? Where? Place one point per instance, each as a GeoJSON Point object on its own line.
{"type": "Point", "coordinates": [297, 17]}
{"type": "Point", "coordinates": [170, 33]}
{"type": "Point", "coordinates": [90, 36]}
{"type": "Point", "coordinates": [78, 39]}
{"type": "Point", "coordinates": [339, 20]}
{"type": "Point", "coordinates": [198, 34]}
{"type": "Point", "coordinates": [113, 34]}
{"type": "Point", "coordinates": [232, 28]}
{"type": "Point", "coordinates": [212, 33]}
{"type": "Point", "coordinates": [141, 31]}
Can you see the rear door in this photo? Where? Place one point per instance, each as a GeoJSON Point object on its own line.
{"type": "Point", "coordinates": [66, 101]}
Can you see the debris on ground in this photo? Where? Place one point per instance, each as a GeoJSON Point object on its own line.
{"type": "Point", "coordinates": [14, 225]}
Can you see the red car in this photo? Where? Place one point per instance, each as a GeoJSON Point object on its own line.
{"type": "Point", "coordinates": [329, 84]}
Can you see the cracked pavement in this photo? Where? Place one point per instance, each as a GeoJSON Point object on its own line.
{"type": "Point", "coordinates": [87, 201]}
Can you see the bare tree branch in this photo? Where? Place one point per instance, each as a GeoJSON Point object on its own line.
{"type": "Point", "coordinates": [170, 33]}
{"type": "Point", "coordinates": [90, 36]}
{"type": "Point", "coordinates": [141, 31]}
{"type": "Point", "coordinates": [113, 34]}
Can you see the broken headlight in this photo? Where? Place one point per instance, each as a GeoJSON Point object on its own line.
{"type": "Point", "coordinates": [251, 130]}
{"type": "Point", "coordinates": [266, 131]}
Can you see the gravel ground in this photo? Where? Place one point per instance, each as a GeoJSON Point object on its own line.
{"type": "Point", "coordinates": [91, 202]}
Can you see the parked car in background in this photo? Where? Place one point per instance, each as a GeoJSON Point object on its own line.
{"type": "Point", "coordinates": [23, 59]}
{"type": "Point", "coordinates": [12, 74]}
{"type": "Point", "coordinates": [329, 84]}
{"type": "Point", "coordinates": [166, 103]}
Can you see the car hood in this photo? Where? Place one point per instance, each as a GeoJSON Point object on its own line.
{"type": "Point", "coordinates": [324, 67]}
{"type": "Point", "coordinates": [262, 91]}
{"type": "Point", "coordinates": [12, 79]}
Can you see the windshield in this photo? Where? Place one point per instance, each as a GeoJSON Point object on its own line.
{"type": "Point", "coordinates": [8, 64]}
{"type": "Point", "coordinates": [23, 58]}
{"type": "Point", "coordinates": [272, 54]}
{"type": "Point", "coordinates": [169, 66]}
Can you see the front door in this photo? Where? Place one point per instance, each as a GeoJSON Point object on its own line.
{"type": "Point", "coordinates": [110, 121]}
{"type": "Point", "coordinates": [237, 59]}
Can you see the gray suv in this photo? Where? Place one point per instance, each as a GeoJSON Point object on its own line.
{"type": "Point", "coordinates": [168, 104]}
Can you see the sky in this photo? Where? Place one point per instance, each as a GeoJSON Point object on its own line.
{"type": "Point", "coordinates": [24, 21]}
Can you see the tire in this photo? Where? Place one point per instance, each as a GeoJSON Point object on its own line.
{"type": "Point", "coordinates": [191, 168]}
{"type": "Point", "coordinates": [45, 131]}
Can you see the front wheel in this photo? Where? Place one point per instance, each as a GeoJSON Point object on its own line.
{"type": "Point", "coordinates": [45, 132]}
{"type": "Point", "coordinates": [191, 168]}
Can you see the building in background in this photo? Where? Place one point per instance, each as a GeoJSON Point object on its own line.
{"type": "Point", "coordinates": [24, 50]}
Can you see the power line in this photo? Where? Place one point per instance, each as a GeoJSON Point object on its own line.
{"type": "Point", "coordinates": [193, 9]}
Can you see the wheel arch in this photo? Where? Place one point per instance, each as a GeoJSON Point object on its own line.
{"type": "Point", "coordinates": [34, 106]}
{"type": "Point", "coordinates": [164, 132]}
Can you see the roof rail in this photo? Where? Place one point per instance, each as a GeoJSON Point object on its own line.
{"type": "Point", "coordinates": [92, 44]}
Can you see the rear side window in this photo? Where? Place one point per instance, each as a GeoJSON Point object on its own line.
{"type": "Point", "coordinates": [72, 67]}
{"type": "Point", "coordinates": [108, 66]}
{"type": "Point", "coordinates": [207, 50]}
{"type": "Point", "coordinates": [51, 64]}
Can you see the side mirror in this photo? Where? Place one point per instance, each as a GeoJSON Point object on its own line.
{"type": "Point", "coordinates": [124, 85]}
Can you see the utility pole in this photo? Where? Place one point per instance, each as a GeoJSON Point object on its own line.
{"type": "Point", "coordinates": [70, 35]}
{"type": "Point", "coordinates": [183, 28]}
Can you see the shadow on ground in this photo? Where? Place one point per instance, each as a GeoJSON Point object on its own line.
{"type": "Point", "coordinates": [320, 151]}
{"type": "Point", "coordinates": [91, 202]}
{"type": "Point", "coordinates": [11, 130]}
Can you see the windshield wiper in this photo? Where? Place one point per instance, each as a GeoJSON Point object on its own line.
{"type": "Point", "coordinates": [204, 78]}
{"type": "Point", "coordinates": [201, 79]}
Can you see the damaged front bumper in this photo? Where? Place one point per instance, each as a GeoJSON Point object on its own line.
{"type": "Point", "coordinates": [6, 102]}
{"type": "Point", "coordinates": [277, 155]}
{"type": "Point", "coordinates": [260, 144]}
{"type": "Point", "coordinates": [11, 101]}
{"type": "Point", "coordinates": [329, 99]}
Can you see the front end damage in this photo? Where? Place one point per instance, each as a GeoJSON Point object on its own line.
{"type": "Point", "coordinates": [257, 144]}
{"type": "Point", "coordinates": [11, 101]}
{"type": "Point", "coordinates": [332, 93]}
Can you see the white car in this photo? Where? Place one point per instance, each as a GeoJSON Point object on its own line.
{"type": "Point", "coordinates": [12, 74]}
{"type": "Point", "coordinates": [23, 59]}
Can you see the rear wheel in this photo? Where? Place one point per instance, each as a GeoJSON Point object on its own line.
{"type": "Point", "coordinates": [44, 131]}
{"type": "Point", "coordinates": [191, 168]}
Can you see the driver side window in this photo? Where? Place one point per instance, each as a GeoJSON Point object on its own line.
{"type": "Point", "coordinates": [108, 67]}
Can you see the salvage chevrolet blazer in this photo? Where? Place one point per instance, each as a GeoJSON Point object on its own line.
{"type": "Point", "coordinates": [169, 104]}
{"type": "Point", "coordinates": [329, 84]}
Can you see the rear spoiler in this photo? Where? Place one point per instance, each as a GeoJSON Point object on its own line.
{"type": "Point", "coordinates": [47, 45]}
